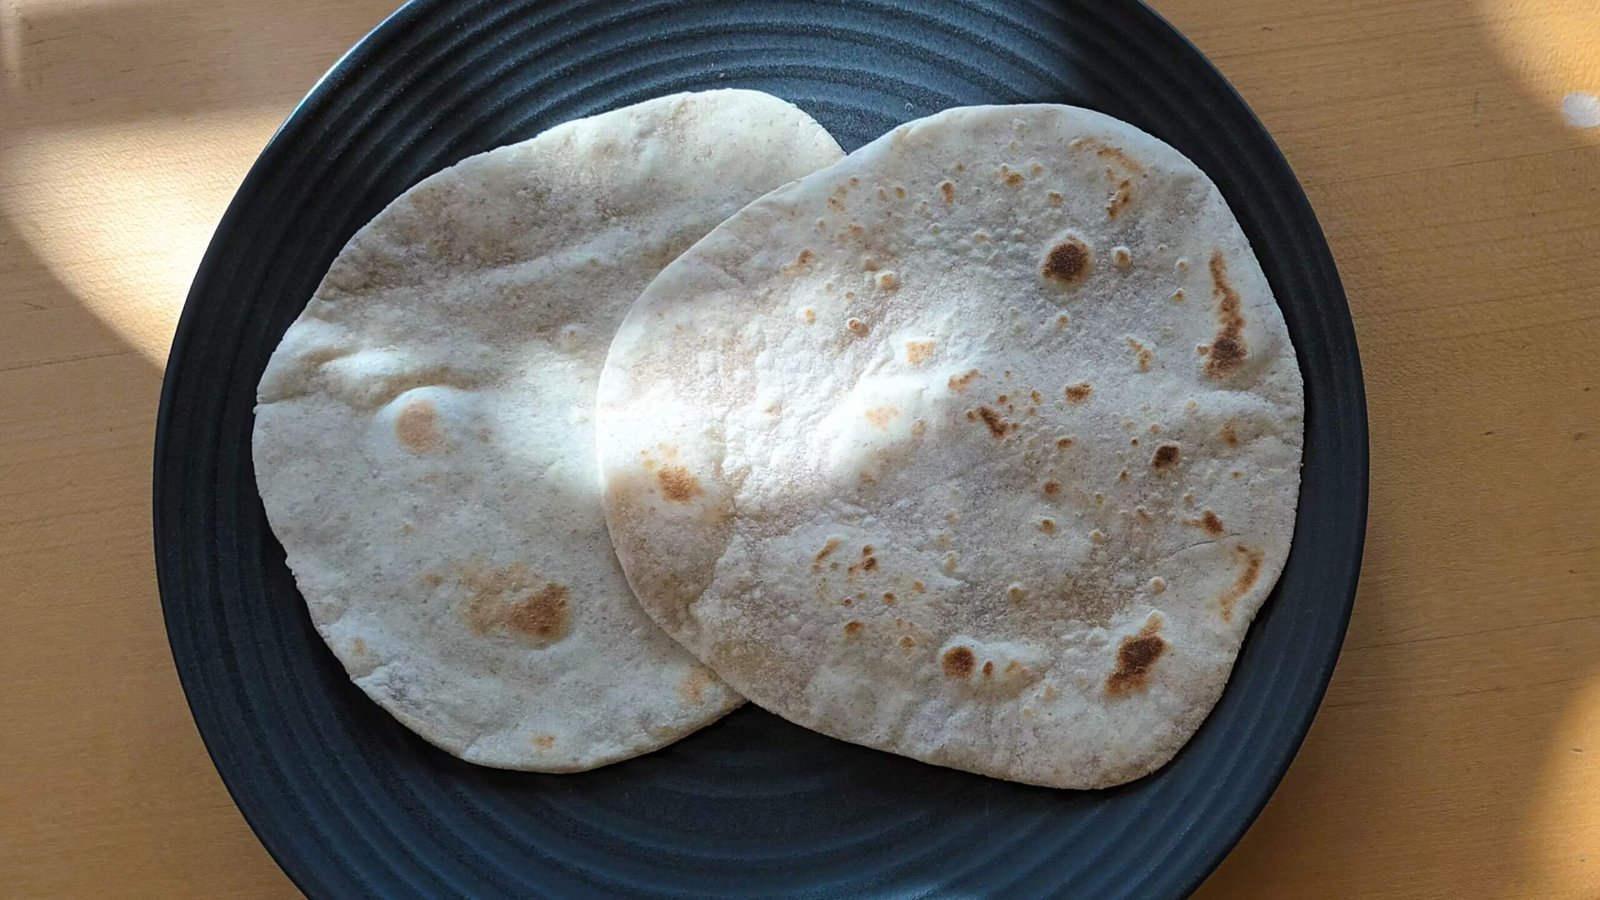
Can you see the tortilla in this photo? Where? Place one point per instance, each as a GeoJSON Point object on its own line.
{"type": "Point", "coordinates": [981, 446]}
{"type": "Point", "coordinates": [424, 440]}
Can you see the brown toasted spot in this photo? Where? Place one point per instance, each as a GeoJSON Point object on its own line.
{"type": "Point", "coordinates": [835, 204]}
{"type": "Point", "coordinates": [1158, 585]}
{"type": "Point", "coordinates": [1079, 392]}
{"type": "Point", "coordinates": [1243, 584]}
{"type": "Point", "coordinates": [1036, 169]}
{"type": "Point", "coordinates": [692, 689]}
{"type": "Point", "coordinates": [960, 382]}
{"type": "Point", "coordinates": [869, 265]}
{"type": "Point", "coordinates": [997, 425]}
{"type": "Point", "coordinates": [1228, 349]}
{"type": "Point", "coordinates": [828, 546]}
{"type": "Point", "coordinates": [918, 586]}
{"type": "Point", "coordinates": [1120, 198]}
{"type": "Point", "coordinates": [854, 181]}
{"type": "Point", "coordinates": [1226, 354]}
{"type": "Point", "coordinates": [867, 550]}
{"type": "Point", "coordinates": [1191, 406]}
{"type": "Point", "coordinates": [857, 327]}
{"type": "Point", "coordinates": [1177, 296]}
{"type": "Point", "coordinates": [889, 598]}
{"type": "Point", "coordinates": [1053, 198]}
{"type": "Point", "coordinates": [1014, 179]}
{"type": "Point", "coordinates": [847, 602]}
{"type": "Point", "coordinates": [1048, 526]}
{"type": "Point", "coordinates": [1134, 442]}
{"type": "Point", "coordinates": [1108, 152]}
{"type": "Point", "coordinates": [918, 352]}
{"type": "Point", "coordinates": [948, 189]}
{"type": "Point", "coordinates": [980, 236]}
{"type": "Point", "coordinates": [882, 194]}
{"type": "Point", "coordinates": [888, 282]}
{"type": "Point", "coordinates": [1121, 257]}
{"type": "Point", "coordinates": [1229, 434]}
{"type": "Point", "coordinates": [918, 428]}
{"type": "Point", "coordinates": [900, 193]}
{"type": "Point", "coordinates": [1237, 474]}
{"type": "Point", "coordinates": [1142, 352]}
{"type": "Point", "coordinates": [1154, 428]}
{"type": "Point", "coordinates": [417, 427]}
{"type": "Point", "coordinates": [511, 598]}
{"type": "Point", "coordinates": [544, 741]}
{"type": "Point", "coordinates": [958, 662]}
{"type": "Point", "coordinates": [542, 615]}
{"type": "Point", "coordinates": [1188, 499]}
{"type": "Point", "coordinates": [1052, 487]}
{"type": "Point", "coordinates": [1050, 692]}
{"type": "Point", "coordinates": [988, 668]}
{"type": "Point", "coordinates": [677, 484]}
{"type": "Point", "coordinates": [433, 579]}
{"type": "Point", "coordinates": [1035, 396]}
{"type": "Point", "coordinates": [809, 314]}
{"type": "Point", "coordinates": [801, 262]}
{"type": "Point", "coordinates": [1212, 524]}
{"type": "Point", "coordinates": [852, 628]}
{"type": "Point", "coordinates": [1136, 656]}
{"type": "Point", "coordinates": [1068, 261]}
{"type": "Point", "coordinates": [1097, 536]}
{"type": "Point", "coordinates": [1003, 398]}
{"type": "Point", "coordinates": [1123, 475]}
{"type": "Point", "coordinates": [1166, 456]}
{"type": "Point", "coordinates": [869, 564]}
{"type": "Point", "coordinates": [1063, 443]}
{"type": "Point", "coordinates": [881, 416]}
{"type": "Point", "coordinates": [908, 642]}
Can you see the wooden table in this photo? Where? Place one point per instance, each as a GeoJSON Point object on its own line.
{"type": "Point", "coordinates": [1455, 755]}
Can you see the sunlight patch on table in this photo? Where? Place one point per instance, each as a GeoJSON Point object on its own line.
{"type": "Point", "coordinates": [121, 213]}
{"type": "Point", "coordinates": [1553, 48]}
{"type": "Point", "coordinates": [1560, 852]}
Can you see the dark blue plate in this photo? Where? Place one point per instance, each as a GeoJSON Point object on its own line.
{"type": "Point", "coordinates": [350, 803]}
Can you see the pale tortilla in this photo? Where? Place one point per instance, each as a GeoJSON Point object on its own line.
{"type": "Point", "coordinates": [981, 446]}
{"type": "Point", "coordinates": [424, 441]}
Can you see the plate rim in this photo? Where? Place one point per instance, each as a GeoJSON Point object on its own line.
{"type": "Point", "coordinates": [391, 27]}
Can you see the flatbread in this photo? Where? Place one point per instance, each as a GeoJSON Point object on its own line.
{"type": "Point", "coordinates": [424, 439]}
{"type": "Point", "coordinates": [981, 446]}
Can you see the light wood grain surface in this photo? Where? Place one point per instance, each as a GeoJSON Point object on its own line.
{"type": "Point", "coordinates": [1456, 753]}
